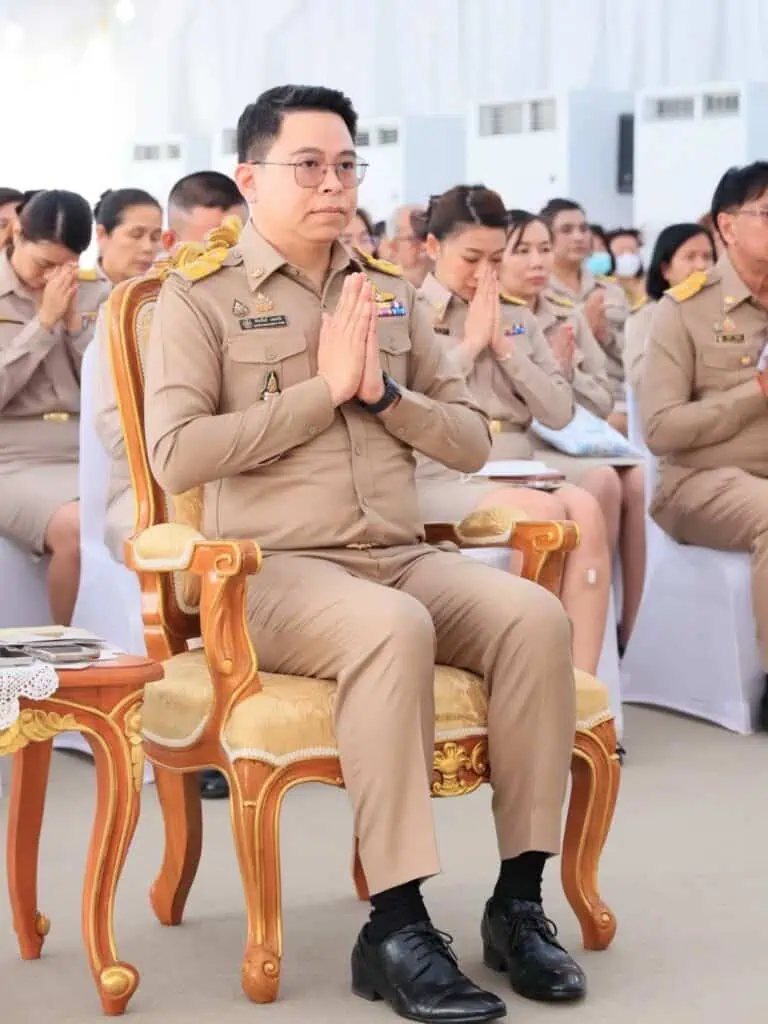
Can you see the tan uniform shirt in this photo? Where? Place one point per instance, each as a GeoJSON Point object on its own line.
{"type": "Point", "coordinates": [589, 379]}
{"type": "Point", "coordinates": [40, 369]}
{"type": "Point", "coordinates": [616, 312]}
{"type": "Point", "coordinates": [635, 341]}
{"type": "Point", "coordinates": [700, 401]}
{"type": "Point", "coordinates": [233, 400]}
{"type": "Point", "coordinates": [511, 391]}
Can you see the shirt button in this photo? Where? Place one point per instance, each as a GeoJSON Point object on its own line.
{"type": "Point", "coordinates": [401, 432]}
{"type": "Point", "coordinates": [312, 431]}
{"type": "Point", "coordinates": [746, 360]}
{"type": "Point", "coordinates": [257, 272]}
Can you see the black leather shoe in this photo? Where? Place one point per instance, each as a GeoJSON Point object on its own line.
{"type": "Point", "coordinates": [521, 941]}
{"type": "Point", "coordinates": [762, 718]}
{"type": "Point", "coordinates": [416, 972]}
{"type": "Point", "coordinates": [213, 785]}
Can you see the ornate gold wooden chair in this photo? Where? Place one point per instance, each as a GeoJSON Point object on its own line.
{"type": "Point", "coordinates": [268, 733]}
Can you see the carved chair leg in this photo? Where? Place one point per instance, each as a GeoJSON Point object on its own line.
{"type": "Point", "coordinates": [255, 824]}
{"type": "Point", "coordinates": [179, 796]}
{"type": "Point", "coordinates": [358, 875]}
{"type": "Point", "coordinates": [595, 774]}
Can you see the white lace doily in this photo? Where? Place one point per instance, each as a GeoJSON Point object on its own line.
{"type": "Point", "coordinates": [36, 681]}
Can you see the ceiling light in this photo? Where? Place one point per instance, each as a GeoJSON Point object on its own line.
{"type": "Point", "coordinates": [125, 11]}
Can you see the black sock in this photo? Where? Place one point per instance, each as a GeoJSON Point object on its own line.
{"type": "Point", "coordinates": [394, 909]}
{"type": "Point", "coordinates": [520, 878]}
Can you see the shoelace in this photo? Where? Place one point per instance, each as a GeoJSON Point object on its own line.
{"type": "Point", "coordinates": [533, 920]}
{"type": "Point", "coordinates": [423, 943]}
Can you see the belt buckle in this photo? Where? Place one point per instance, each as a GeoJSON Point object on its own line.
{"type": "Point", "coordinates": [360, 547]}
{"type": "Point", "coordinates": [496, 426]}
{"type": "Point", "coordinates": [57, 417]}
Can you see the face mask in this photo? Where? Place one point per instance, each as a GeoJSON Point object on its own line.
{"type": "Point", "coordinates": [598, 263]}
{"type": "Point", "coordinates": [628, 264]}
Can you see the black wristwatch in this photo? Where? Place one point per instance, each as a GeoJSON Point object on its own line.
{"type": "Point", "coordinates": [391, 394]}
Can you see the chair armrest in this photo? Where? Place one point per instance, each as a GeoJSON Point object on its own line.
{"type": "Point", "coordinates": [224, 567]}
{"type": "Point", "coordinates": [543, 544]}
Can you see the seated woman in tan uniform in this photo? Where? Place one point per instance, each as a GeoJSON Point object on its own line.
{"type": "Point", "coordinates": [47, 313]}
{"type": "Point", "coordinates": [617, 484]}
{"type": "Point", "coordinates": [680, 250]}
{"type": "Point", "coordinates": [496, 344]}
{"type": "Point", "coordinates": [129, 232]}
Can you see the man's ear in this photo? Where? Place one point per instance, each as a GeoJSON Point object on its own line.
{"type": "Point", "coordinates": [246, 178]}
{"type": "Point", "coordinates": [101, 233]}
{"type": "Point", "coordinates": [169, 239]}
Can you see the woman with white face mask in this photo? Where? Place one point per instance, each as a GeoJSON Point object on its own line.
{"type": "Point", "coordinates": [624, 245]}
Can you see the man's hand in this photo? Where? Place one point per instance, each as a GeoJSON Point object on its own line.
{"type": "Point", "coordinates": [343, 338]}
{"type": "Point", "coordinates": [594, 311]}
{"type": "Point", "coordinates": [563, 345]}
{"type": "Point", "coordinates": [371, 388]}
{"type": "Point", "coordinates": [59, 295]}
{"type": "Point", "coordinates": [482, 324]}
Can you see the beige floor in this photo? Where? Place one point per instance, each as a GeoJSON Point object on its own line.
{"type": "Point", "coordinates": [685, 871]}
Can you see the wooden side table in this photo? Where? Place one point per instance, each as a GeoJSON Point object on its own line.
{"type": "Point", "coordinates": [103, 702]}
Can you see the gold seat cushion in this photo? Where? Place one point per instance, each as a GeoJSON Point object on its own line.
{"type": "Point", "coordinates": [292, 718]}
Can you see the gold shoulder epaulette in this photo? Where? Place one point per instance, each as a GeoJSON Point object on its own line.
{"type": "Point", "coordinates": [511, 300]}
{"type": "Point", "coordinates": [194, 263]}
{"type": "Point", "coordinates": [639, 304]}
{"type": "Point", "coordinates": [376, 264]}
{"type": "Point", "coordinates": [87, 275]}
{"type": "Point", "coordinates": [691, 286]}
{"type": "Point", "coordinates": [560, 300]}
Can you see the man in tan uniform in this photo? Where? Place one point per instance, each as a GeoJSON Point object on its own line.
{"type": "Point", "coordinates": [704, 388]}
{"type": "Point", "coordinates": [601, 299]}
{"type": "Point", "coordinates": [294, 381]}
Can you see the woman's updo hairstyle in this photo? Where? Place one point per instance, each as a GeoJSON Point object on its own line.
{"type": "Point", "coordinates": [464, 206]}
{"type": "Point", "coordinates": [58, 216]}
{"type": "Point", "coordinates": [108, 211]}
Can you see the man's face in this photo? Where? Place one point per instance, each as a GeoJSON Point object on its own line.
{"type": "Point", "coordinates": [306, 185]}
{"type": "Point", "coordinates": [745, 231]}
{"type": "Point", "coordinates": [571, 237]}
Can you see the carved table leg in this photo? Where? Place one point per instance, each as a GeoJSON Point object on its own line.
{"type": "Point", "coordinates": [25, 819]}
{"type": "Point", "coordinates": [118, 756]}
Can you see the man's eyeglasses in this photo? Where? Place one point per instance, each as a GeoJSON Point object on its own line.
{"type": "Point", "coordinates": [761, 213]}
{"type": "Point", "coordinates": [310, 173]}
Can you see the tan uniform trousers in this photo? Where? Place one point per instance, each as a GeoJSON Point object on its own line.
{"type": "Point", "coordinates": [377, 621]}
{"type": "Point", "coordinates": [725, 509]}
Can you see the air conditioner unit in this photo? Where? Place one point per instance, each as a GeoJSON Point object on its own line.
{"type": "Point", "coordinates": [409, 159]}
{"type": "Point", "coordinates": [685, 140]}
{"type": "Point", "coordinates": [224, 151]}
{"type": "Point", "coordinates": [156, 164]}
{"type": "Point", "coordinates": [534, 147]}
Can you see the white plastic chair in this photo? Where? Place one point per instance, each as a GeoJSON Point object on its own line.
{"type": "Point", "coordinates": [23, 587]}
{"type": "Point", "coordinates": [694, 645]}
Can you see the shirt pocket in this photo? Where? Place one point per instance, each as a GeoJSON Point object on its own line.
{"type": "Point", "coordinates": [721, 365]}
{"type": "Point", "coordinates": [395, 349]}
{"type": "Point", "coordinates": [265, 362]}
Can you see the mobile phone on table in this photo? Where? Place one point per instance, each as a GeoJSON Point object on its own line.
{"type": "Point", "coordinates": [13, 659]}
{"type": "Point", "coordinates": [63, 654]}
